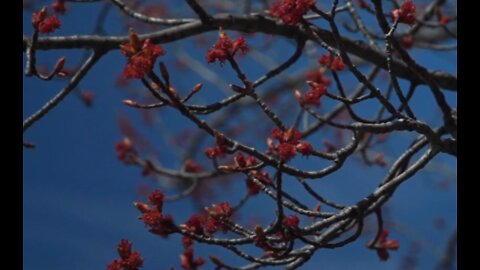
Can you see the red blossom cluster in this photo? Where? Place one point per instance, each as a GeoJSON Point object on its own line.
{"type": "Point", "coordinates": [187, 260]}
{"type": "Point", "coordinates": [226, 48]}
{"type": "Point", "coordinates": [141, 57]}
{"type": "Point", "coordinates": [126, 152]}
{"type": "Point", "coordinates": [153, 217]}
{"type": "Point", "coordinates": [289, 144]}
{"type": "Point", "coordinates": [241, 162]}
{"type": "Point", "coordinates": [195, 224]}
{"type": "Point", "coordinates": [332, 62]}
{"type": "Point", "coordinates": [291, 221]}
{"type": "Point", "coordinates": [128, 260]}
{"type": "Point", "coordinates": [44, 23]}
{"type": "Point", "coordinates": [406, 13]}
{"type": "Point", "coordinates": [383, 245]}
{"type": "Point", "coordinates": [312, 96]}
{"type": "Point", "coordinates": [191, 166]}
{"type": "Point", "coordinates": [217, 216]}
{"type": "Point", "coordinates": [291, 11]}
{"type": "Point", "coordinates": [263, 177]}
{"type": "Point", "coordinates": [318, 76]}
{"type": "Point", "coordinates": [213, 219]}
{"type": "Point", "coordinates": [260, 238]}
{"type": "Point", "coordinates": [304, 148]}
{"type": "Point", "coordinates": [219, 150]}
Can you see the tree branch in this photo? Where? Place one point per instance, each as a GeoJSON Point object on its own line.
{"type": "Point", "coordinates": [247, 24]}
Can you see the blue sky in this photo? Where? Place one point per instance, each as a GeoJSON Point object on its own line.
{"type": "Point", "coordinates": [78, 197]}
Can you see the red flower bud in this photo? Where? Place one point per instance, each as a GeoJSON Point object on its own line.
{"type": "Point", "coordinates": [291, 11]}
{"type": "Point", "coordinates": [142, 207]}
{"type": "Point", "coordinates": [406, 13]}
{"type": "Point", "coordinates": [59, 65]}
{"type": "Point", "coordinates": [124, 249]}
{"type": "Point", "coordinates": [305, 148]}
{"type": "Point", "coordinates": [225, 48]}
{"type": "Point", "coordinates": [59, 6]}
{"type": "Point", "coordinates": [38, 17]}
{"type": "Point", "coordinates": [134, 40]}
{"type": "Point", "coordinates": [291, 221]}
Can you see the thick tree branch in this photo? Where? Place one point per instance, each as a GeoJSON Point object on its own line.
{"type": "Point", "coordinates": [247, 24]}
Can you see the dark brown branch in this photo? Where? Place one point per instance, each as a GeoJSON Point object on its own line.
{"type": "Point", "coordinates": [202, 14]}
{"type": "Point", "coordinates": [248, 24]}
{"type": "Point", "coordinates": [64, 92]}
{"type": "Point", "coordinates": [148, 19]}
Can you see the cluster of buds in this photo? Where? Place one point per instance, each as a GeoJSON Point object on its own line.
{"type": "Point", "coordinates": [219, 150]}
{"type": "Point", "coordinates": [153, 217]}
{"type": "Point", "coordinates": [312, 96]}
{"type": "Point", "coordinates": [288, 144]}
{"type": "Point", "coordinates": [383, 245]}
{"type": "Point", "coordinates": [291, 11]}
{"type": "Point", "coordinates": [226, 48]}
{"type": "Point", "coordinates": [333, 62]}
{"type": "Point", "coordinates": [213, 219]}
{"type": "Point", "coordinates": [141, 56]}
{"type": "Point", "coordinates": [43, 23]}
{"type": "Point", "coordinates": [126, 151]}
{"type": "Point", "coordinates": [128, 260]}
{"type": "Point", "coordinates": [406, 13]}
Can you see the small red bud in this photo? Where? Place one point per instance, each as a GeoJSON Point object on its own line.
{"type": "Point", "coordinates": [134, 40]}
{"type": "Point", "coordinates": [216, 260]}
{"type": "Point", "coordinates": [38, 17]}
{"type": "Point", "coordinates": [124, 249]}
{"type": "Point", "coordinates": [259, 231]}
{"type": "Point", "coordinates": [59, 65]}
